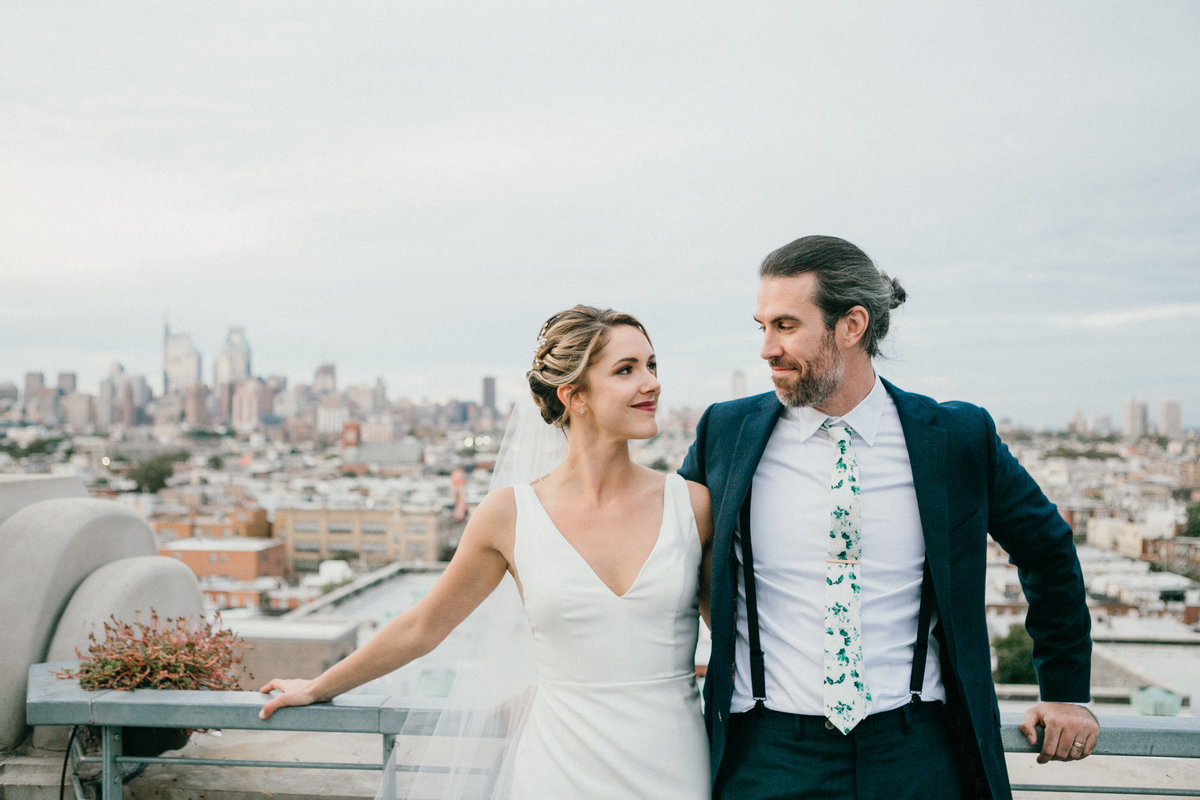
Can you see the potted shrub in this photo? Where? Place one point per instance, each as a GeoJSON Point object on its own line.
{"type": "Point", "coordinates": [159, 654]}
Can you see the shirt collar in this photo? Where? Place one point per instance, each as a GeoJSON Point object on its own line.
{"type": "Point", "coordinates": [864, 419]}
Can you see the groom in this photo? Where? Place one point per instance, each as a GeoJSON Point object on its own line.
{"type": "Point", "coordinates": [851, 519]}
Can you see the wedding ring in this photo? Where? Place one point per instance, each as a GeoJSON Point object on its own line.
{"type": "Point", "coordinates": [1077, 744]}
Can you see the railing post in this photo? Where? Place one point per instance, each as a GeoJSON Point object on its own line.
{"type": "Point", "coordinates": [111, 774]}
{"type": "Point", "coordinates": [389, 744]}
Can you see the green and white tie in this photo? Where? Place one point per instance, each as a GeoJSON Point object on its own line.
{"type": "Point", "coordinates": [847, 696]}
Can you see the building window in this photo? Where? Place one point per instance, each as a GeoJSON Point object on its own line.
{"type": "Point", "coordinates": [306, 527]}
{"type": "Point", "coordinates": [417, 528]}
{"type": "Point", "coordinates": [341, 527]}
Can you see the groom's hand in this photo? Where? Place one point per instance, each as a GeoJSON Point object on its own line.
{"type": "Point", "coordinates": [1070, 731]}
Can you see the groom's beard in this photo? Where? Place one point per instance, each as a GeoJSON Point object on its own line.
{"type": "Point", "coordinates": [816, 380]}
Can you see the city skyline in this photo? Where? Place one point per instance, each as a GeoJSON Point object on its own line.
{"type": "Point", "coordinates": [415, 212]}
{"type": "Point", "coordinates": [1134, 418]}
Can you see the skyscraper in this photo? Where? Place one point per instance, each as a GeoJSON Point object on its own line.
{"type": "Point", "coordinates": [195, 404]}
{"type": "Point", "coordinates": [35, 385]}
{"type": "Point", "coordinates": [489, 392]}
{"type": "Point", "coordinates": [40, 403]}
{"type": "Point", "coordinates": [1134, 424]}
{"type": "Point", "coordinates": [181, 361]}
{"type": "Point", "coordinates": [232, 364]}
{"type": "Point", "coordinates": [108, 400]}
{"type": "Point", "coordinates": [78, 410]}
{"type": "Point", "coordinates": [1170, 419]}
{"type": "Point", "coordinates": [252, 400]}
{"type": "Point", "coordinates": [325, 381]}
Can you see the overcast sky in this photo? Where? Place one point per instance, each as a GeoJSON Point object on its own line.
{"type": "Point", "coordinates": [409, 189]}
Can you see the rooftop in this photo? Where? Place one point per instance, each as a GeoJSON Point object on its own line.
{"type": "Point", "coordinates": [238, 543]}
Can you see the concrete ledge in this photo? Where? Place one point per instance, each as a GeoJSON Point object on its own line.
{"type": "Point", "coordinates": [49, 548]}
{"type": "Point", "coordinates": [18, 491]}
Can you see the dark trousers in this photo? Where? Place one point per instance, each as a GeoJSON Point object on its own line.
{"type": "Point", "coordinates": [905, 754]}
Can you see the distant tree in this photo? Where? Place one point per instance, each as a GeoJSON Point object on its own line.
{"type": "Point", "coordinates": [1014, 656]}
{"type": "Point", "coordinates": [1067, 452]}
{"type": "Point", "coordinates": [38, 447]}
{"type": "Point", "coordinates": [151, 475]}
{"type": "Point", "coordinates": [44, 446]}
{"type": "Point", "coordinates": [1016, 436]}
{"type": "Point", "coordinates": [215, 462]}
{"type": "Point", "coordinates": [1193, 520]}
{"type": "Point", "coordinates": [660, 464]}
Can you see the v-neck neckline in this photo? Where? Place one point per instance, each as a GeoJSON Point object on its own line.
{"type": "Point", "coordinates": [636, 578]}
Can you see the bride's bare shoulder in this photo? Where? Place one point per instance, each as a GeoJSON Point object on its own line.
{"type": "Point", "coordinates": [492, 523]}
{"type": "Point", "coordinates": [498, 506]}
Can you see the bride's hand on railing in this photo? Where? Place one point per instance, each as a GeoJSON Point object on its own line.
{"type": "Point", "coordinates": [292, 692]}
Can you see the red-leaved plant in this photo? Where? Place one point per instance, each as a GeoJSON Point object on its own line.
{"type": "Point", "coordinates": [167, 653]}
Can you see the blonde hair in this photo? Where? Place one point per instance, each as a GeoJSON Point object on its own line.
{"type": "Point", "coordinates": [568, 344]}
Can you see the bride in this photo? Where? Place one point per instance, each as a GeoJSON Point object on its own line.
{"type": "Point", "coordinates": [607, 556]}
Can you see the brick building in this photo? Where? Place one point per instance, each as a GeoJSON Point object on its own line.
{"type": "Point", "coordinates": [239, 559]}
{"type": "Point", "coordinates": [379, 536]}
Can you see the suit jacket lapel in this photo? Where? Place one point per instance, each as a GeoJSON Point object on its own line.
{"type": "Point", "coordinates": [926, 443]}
{"type": "Point", "coordinates": [748, 448]}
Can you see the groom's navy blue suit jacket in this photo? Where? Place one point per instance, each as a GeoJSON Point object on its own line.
{"type": "Point", "coordinates": [967, 485]}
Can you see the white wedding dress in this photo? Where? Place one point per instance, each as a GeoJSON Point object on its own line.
{"type": "Point", "coordinates": [616, 713]}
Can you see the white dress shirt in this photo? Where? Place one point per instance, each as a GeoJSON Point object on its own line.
{"type": "Point", "coordinates": [789, 523]}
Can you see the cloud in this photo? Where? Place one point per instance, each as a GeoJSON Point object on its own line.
{"type": "Point", "coordinates": [417, 210]}
{"type": "Point", "coordinates": [1133, 316]}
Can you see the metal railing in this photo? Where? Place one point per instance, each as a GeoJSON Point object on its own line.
{"type": "Point", "coordinates": [51, 701]}
{"type": "Point", "coordinates": [1120, 735]}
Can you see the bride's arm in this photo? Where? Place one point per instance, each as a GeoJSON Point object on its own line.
{"type": "Point", "coordinates": [702, 511]}
{"type": "Point", "coordinates": [476, 569]}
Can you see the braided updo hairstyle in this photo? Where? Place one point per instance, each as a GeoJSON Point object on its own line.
{"type": "Point", "coordinates": [568, 344]}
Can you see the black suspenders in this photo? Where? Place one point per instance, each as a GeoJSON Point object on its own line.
{"type": "Point", "coordinates": [758, 681]}
{"type": "Point", "coordinates": [921, 648]}
{"type": "Point", "coordinates": [757, 666]}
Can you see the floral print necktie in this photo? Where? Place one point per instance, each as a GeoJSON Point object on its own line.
{"type": "Point", "coordinates": [846, 694]}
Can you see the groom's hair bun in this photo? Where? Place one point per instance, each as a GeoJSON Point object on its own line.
{"type": "Point", "coordinates": [846, 277]}
{"type": "Point", "coordinates": [567, 345]}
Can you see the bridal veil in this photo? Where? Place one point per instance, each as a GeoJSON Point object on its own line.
{"type": "Point", "coordinates": [458, 743]}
